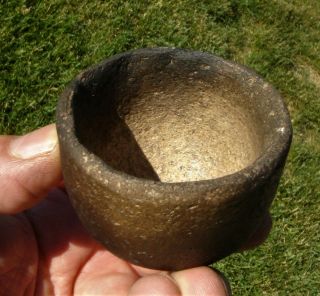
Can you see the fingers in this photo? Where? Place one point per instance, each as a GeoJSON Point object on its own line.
{"type": "Point", "coordinates": [155, 284]}
{"type": "Point", "coordinates": [106, 284]}
{"type": "Point", "coordinates": [29, 168]}
{"type": "Point", "coordinates": [195, 281]}
{"type": "Point", "coordinates": [200, 281]}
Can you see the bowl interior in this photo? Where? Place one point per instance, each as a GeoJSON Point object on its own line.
{"type": "Point", "coordinates": [168, 118]}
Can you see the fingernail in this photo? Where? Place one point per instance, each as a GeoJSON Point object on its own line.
{"type": "Point", "coordinates": [32, 145]}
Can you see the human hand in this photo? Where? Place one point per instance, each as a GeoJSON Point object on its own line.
{"type": "Point", "coordinates": [44, 250]}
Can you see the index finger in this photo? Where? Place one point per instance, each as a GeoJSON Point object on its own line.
{"type": "Point", "coordinates": [29, 168]}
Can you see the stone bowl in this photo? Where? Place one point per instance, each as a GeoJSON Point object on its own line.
{"type": "Point", "coordinates": [171, 158]}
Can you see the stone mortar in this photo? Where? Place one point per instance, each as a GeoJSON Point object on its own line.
{"type": "Point", "coordinates": [171, 158]}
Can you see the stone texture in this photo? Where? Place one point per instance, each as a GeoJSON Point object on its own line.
{"type": "Point", "coordinates": [171, 158]}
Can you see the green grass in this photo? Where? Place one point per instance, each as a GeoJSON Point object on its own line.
{"type": "Point", "coordinates": [44, 44]}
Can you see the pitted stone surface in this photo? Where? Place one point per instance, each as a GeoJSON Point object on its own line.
{"type": "Point", "coordinates": [171, 157]}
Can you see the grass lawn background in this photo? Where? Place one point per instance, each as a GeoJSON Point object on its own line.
{"type": "Point", "coordinates": [44, 44]}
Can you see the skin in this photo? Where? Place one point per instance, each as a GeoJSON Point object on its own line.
{"type": "Point", "coordinates": [44, 250]}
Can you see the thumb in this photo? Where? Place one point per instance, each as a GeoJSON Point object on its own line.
{"type": "Point", "coordinates": [29, 168]}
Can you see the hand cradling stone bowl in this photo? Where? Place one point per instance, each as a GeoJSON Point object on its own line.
{"type": "Point", "coordinates": [171, 158]}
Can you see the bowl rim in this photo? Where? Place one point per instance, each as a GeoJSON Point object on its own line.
{"type": "Point", "coordinates": [259, 169]}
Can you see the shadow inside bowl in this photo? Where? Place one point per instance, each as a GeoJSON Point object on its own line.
{"type": "Point", "coordinates": [176, 123]}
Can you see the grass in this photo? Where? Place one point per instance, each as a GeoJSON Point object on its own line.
{"type": "Point", "coordinates": [44, 44]}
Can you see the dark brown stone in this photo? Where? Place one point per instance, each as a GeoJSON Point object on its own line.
{"type": "Point", "coordinates": [171, 158]}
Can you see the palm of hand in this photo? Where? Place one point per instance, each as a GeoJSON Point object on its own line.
{"type": "Point", "coordinates": [46, 251]}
